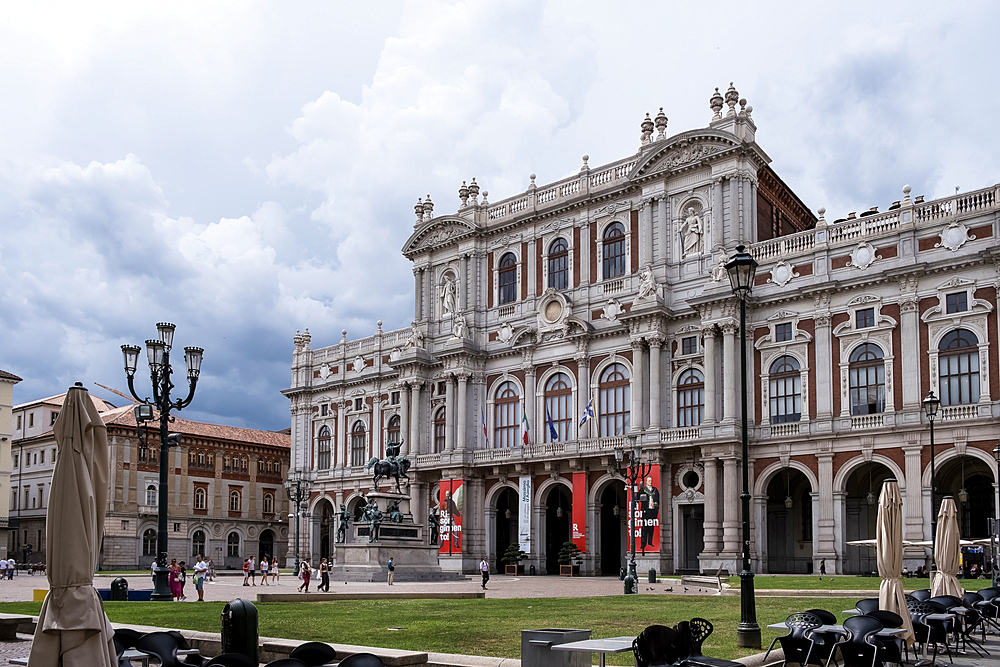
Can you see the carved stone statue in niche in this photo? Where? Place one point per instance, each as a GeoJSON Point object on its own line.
{"type": "Point", "coordinates": [448, 296]}
{"type": "Point", "coordinates": [647, 283]}
{"type": "Point", "coordinates": [691, 230]}
{"type": "Point", "coordinates": [416, 338]}
{"type": "Point", "coordinates": [459, 327]}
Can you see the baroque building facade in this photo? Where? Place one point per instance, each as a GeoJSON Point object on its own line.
{"type": "Point", "coordinates": [602, 299]}
{"type": "Point", "coordinates": [225, 500]}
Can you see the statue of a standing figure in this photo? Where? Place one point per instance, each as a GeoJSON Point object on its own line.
{"type": "Point", "coordinates": [692, 232]}
{"type": "Point", "coordinates": [374, 518]}
{"type": "Point", "coordinates": [344, 518]}
{"type": "Point", "coordinates": [448, 296]}
{"type": "Point", "coordinates": [434, 524]}
{"type": "Point", "coordinates": [395, 514]}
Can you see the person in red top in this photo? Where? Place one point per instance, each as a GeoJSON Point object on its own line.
{"type": "Point", "coordinates": [246, 571]}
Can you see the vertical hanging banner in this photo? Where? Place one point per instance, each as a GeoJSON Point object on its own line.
{"type": "Point", "coordinates": [524, 514]}
{"type": "Point", "coordinates": [578, 531]}
{"type": "Point", "coordinates": [644, 521]}
{"type": "Point", "coordinates": [450, 502]}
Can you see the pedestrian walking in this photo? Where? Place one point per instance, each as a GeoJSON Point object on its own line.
{"type": "Point", "coordinates": [275, 575]}
{"type": "Point", "coordinates": [324, 576]}
{"type": "Point", "coordinates": [211, 570]}
{"type": "Point", "coordinates": [304, 571]}
{"type": "Point", "coordinates": [182, 576]}
{"type": "Point", "coordinates": [263, 571]}
{"type": "Point", "coordinates": [822, 566]}
{"type": "Point", "coordinates": [11, 566]}
{"type": "Point", "coordinates": [152, 570]}
{"type": "Point", "coordinates": [246, 571]}
{"type": "Point", "coordinates": [200, 572]}
{"type": "Point", "coordinates": [390, 568]}
{"type": "Point", "coordinates": [253, 574]}
{"type": "Point", "coordinates": [484, 568]}
{"type": "Point", "coordinates": [3, 569]}
{"type": "Point", "coordinates": [173, 580]}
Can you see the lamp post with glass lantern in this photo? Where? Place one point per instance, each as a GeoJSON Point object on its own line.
{"type": "Point", "coordinates": [741, 268]}
{"type": "Point", "coordinates": [297, 487]}
{"type": "Point", "coordinates": [996, 522]}
{"type": "Point", "coordinates": [635, 471]}
{"type": "Point", "coordinates": [158, 356]}
{"type": "Point", "coordinates": [931, 405]}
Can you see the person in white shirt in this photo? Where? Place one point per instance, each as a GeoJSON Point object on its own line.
{"type": "Point", "coordinates": [11, 566]}
{"type": "Point", "coordinates": [200, 572]}
{"type": "Point", "coordinates": [263, 571]}
{"type": "Point", "coordinates": [253, 574]}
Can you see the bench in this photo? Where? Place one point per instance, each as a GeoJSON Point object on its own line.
{"type": "Point", "coordinates": [702, 580]}
{"type": "Point", "coordinates": [11, 623]}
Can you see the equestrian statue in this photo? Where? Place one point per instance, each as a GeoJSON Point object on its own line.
{"type": "Point", "coordinates": [394, 465]}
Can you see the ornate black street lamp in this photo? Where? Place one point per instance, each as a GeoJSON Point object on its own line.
{"type": "Point", "coordinates": [297, 487]}
{"type": "Point", "coordinates": [158, 355]}
{"type": "Point", "coordinates": [633, 473]}
{"type": "Point", "coordinates": [996, 523]}
{"type": "Point", "coordinates": [741, 268]}
{"type": "Point", "coordinates": [931, 405]}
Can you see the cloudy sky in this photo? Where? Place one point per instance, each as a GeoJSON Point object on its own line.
{"type": "Point", "coordinates": [246, 169]}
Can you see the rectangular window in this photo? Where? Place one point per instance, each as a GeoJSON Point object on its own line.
{"type": "Point", "coordinates": [689, 345]}
{"type": "Point", "coordinates": [864, 318]}
{"type": "Point", "coordinates": [54, 416]}
{"type": "Point", "coordinates": [16, 460]}
{"type": "Point", "coordinates": [19, 422]}
{"type": "Point", "coordinates": [124, 524]}
{"type": "Point", "coordinates": [783, 332]}
{"type": "Point", "coordinates": [27, 460]}
{"type": "Point", "coordinates": [43, 456]}
{"type": "Point", "coordinates": [31, 419]}
{"type": "Point", "coordinates": [442, 388]}
{"type": "Point", "coordinates": [324, 410]}
{"type": "Point", "coordinates": [177, 527]}
{"type": "Point", "coordinates": [53, 454]}
{"type": "Point", "coordinates": [958, 302]}
{"type": "Point", "coordinates": [359, 403]}
{"type": "Point", "coordinates": [41, 495]}
{"type": "Point", "coordinates": [394, 398]}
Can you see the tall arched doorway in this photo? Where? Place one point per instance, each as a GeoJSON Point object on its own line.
{"type": "Point", "coordinates": [789, 523]}
{"type": "Point", "coordinates": [613, 515]}
{"type": "Point", "coordinates": [558, 511]}
{"type": "Point", "coordinates": [861, 492]}
{"type": "Point", "coordinates": [265, 545]}
{"type": "Point", "coordinates": [326, 522]}
{"type": "Point", "coordinates": [506, 524]}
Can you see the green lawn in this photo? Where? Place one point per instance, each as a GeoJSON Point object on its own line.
{"type": "Point", "coordinates": [842, 583]}
{"type": "Point", "coordinates": [489, 627]}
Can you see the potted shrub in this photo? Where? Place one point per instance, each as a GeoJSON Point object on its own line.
{"type": "Point", "coordinates": [512, 559]}
{"type": "Point", "coordinates": [567, 554]}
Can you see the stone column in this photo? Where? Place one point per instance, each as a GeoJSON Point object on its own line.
{"type": "Point", "coordinates": [530, 266]}
{"type": "Point", "coordinates": [661, 226]}
{"type": "Point", "coordinates": [418, 292]}
{"type": "Point", "coordinates": [342, 434]}
{"type": "Point", "coordinates": [711, 548]}
{"type": "Point", "coordinates": [463, 283]}
{"type": "Point", "coordinates": [731, 510]}
{"type": "Point", "coordinates": [913, 506]}
{"type": "Point", "coordinates": [463, 411]}
{"type": "Point", "coordinates": [404, 418]}
{"type": "Point", "coordinates": [530, 401]}
{"type": "Point", "coordinates": [910, 340]}
{"type": "Point", "coordinates": [655, 341]}
{"type": "Point", "coordinates": [585, 250]}
{"type": "Point", "coordinates": [428, 298]}
{"type": "Point", "coordinates": [646, 233]}
{"type": "Point", "coordinates": [449, 413]}
{"type": "Point", "coordinates": [415, 417]}
{"type": "Point", "coordinates": [824, 538]}
{"type": "Point", "coordinates": [711, 399]}
{"type": "Point", "coordinates": [730, 365]}
{"type": "Point", "coordinates": [824, 369]}
{"type": "Point", "coordinates": [638, 396]}
{"type": "Point", "coordinates": [582, 394]}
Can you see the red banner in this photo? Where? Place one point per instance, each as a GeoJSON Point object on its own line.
{"type": "Point", "coordinates": [450, 500]}
{"type": "Point", "coordinates": [579, 528]}
{"type": "Point", "coordinates": [645, 515]}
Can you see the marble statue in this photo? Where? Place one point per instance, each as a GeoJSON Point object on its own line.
{"type": "Point", "coordinates": [692, 232]}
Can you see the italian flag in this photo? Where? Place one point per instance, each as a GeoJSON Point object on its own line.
{"type": "Point", "coordinates": [524, 423]}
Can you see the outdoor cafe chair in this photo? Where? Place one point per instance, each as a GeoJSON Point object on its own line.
{"type": "Point", "coordinates": [922, 594]}
{"type": "Point", "coordinates": [990, 605]}
{"type": "Point", "coordinates": [120, 654]}
{"type": "Point", "coordinates": [286, 662]}
{"type": "Point", "coordinates": [361, 660]}
{"type": "Point", "coordinates": [659, 645]}
{"type": "Point", "coordinates": [314, 654]}
{"type": "Point", "coordinates": [798, 644]}
{"type": "Point", "coordinates": [867, 605]}
{"type": "Point", "coordinates": [190, 660]}
{"type": "Point", "coordinates": [828, 617]}
{"type": "Point", "coordinates": [699, 630]}
{"type": "Point", "coordinates": [231, 660]}
{"type": "Point", "coordinates": [929, 630]}
{"type": "Point", "coordinates": [857, 649]}
{"type": "Point", "coordinates": [892, 649]}
{"type": "Point", "coordinates": [162, 646]}
{"type": "Point", "coordinates": [127, 636]}
{"type": "Point", "coordinates": [975, 616]}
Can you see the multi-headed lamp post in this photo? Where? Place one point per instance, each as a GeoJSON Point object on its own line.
{"type": "Point", "coordinates": [741, 268]}
{"type": "Point", "coordinates": [931, 405]}
{"type": "Point", "coordinates": [158, 354]}
{"type": "Point", "coordinates": [297, 487]}
{"type": "Point", "coordinates": [635, 472]}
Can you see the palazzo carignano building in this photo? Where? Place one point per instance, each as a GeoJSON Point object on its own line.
{"type": "Point", "coordinates": [554, 326]}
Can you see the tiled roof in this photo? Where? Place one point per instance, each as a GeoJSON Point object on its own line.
{"type": "Point", "coordinates": [4, 375]}
{"type": "Point", "coordinates": [126, 417]}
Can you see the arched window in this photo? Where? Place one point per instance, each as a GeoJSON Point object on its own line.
{"type": "Point", "coordinates": [440, 423]}
{"type": "Point", "coordinates": [505, 415]}
{"type": "Point", "coordinates": [559, 264]}
{"type": "Point", "coordinates": [198, 543]}
{"type": "Point", "coordinates": [867, 380]}
{"type": "Point", "coordinates": [785, 390]}
{"type": "Point", "coordinates": [614, 395]}
{"type": "Point", "coordinates": [690, 398]}
{"type": "Point", "coordinates": [192, 459]}
{"type": "Point", "coordinates": [392, 431]}
{"type": "Point", "coordinates": [235, 500]}
{"type": "Point", "coordinates": [958, 360]}
{"type": "Point", "coordinates": [151, 494]}
{"type": "Point", "coordinates": [149, 542]}
{"type": "Point", "coordinates": [559, 408]}
{"type": "Point", "coordinates": [268, 503]}
{"type": "Point", "coordinates": [508, 278]}
{"type": "Point", "coordinates": [233, 545]}
{"type": "Point", "coordinates": [200, 498]}
{"type": "Point", "coordinates": [614, 251]}
{"type": "Point", "coordinates": [358, 444]}
{"type": "Point", "coordinates": [201, 459]}
{"type": "Point", "coordinates": [323, 448]}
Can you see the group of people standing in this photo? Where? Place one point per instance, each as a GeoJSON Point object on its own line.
{"type": "Point", "coordinates": [177, 577]}
{"type": "Point", "coordinates": [7, 568]}
{"type": "Point", "coordinates": [250, 571]}
{"type": "Point", "coordinates": [306, 573]}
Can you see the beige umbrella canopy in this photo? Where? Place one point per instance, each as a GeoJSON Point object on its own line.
{"type": "Point", "coordinates": [72, 629]}
{"type": "Point", "coordinates": [947, 551]}
{"type": "Point", "coordinates": [889, 551]}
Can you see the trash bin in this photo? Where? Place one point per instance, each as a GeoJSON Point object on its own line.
{"type": "Point", "coordinates": [532, 571]}
{"type": "Point", "coordinates": [652, 575]}
{"type": "Point", "coordinates": [239, 628]}
{"type": "Point", "coordinates": [631, 584]}
{"type": "Point", "coordinates": [119, 590]}
{"type": "Point", "coordinates": [536, 648]}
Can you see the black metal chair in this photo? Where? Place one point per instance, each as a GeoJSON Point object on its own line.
{"type": "Point", "coordinates": [974, 618]}
{"type": "Point", "coordinates": [190, 660]}
{"type": "Point", "coordinates": [857, 649]}
{"type": "Point", "coordinates": [120, 654]}
{"type": "Point", "coordinates": [697, 630]}
{"type": "Point", "coordinates": [286, 662]}
{"type": "Point", "coordinates": [828, 617]}
{"type": "Point", "coordinates": [314, 654]}
{"type": "Point", "coordinates": [922, 594]}
{"type": "Point", "coordinates": [162, 646]}
{"type": "Point", "coordinates": [361, 660]}
{"type": "Point", "coordinates": [798, 644]}
{"type": "Point", "coordinates": [928, 630]}
{"type": "Point", "coordinates": [891, 649]}
{"type": "Point", "coordinates": [127, 636]}
{"type": "Point", "coordinates": [231, 660]}
{"type": "Point", "coordinates": [660, 645]}
{"type": "Point", "coordinates": [989, 607]}
{"type": "Point", "coordinates": [867, 605]}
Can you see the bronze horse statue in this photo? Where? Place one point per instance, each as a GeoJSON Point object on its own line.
{"type": "Point", "coordinates": [395, 468]}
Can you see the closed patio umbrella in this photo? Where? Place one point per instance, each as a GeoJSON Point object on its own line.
{"type": "Point", "coordinates": [947, 551]}
{"type": "Point", "coordinates": [890, 555]}
{"type": "Point", "coordinates": [72, 629]}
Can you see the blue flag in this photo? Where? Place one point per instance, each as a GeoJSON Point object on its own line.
{"type": "Point", "coordinates": [553, 433]}
{"type": "Point", "coordinates": [588, 413]}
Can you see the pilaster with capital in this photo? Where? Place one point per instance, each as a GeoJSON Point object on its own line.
{"type": "Point", "coordinates": [449, 411]}
{"type": "Point", "coordinates": [824, 367]}
{"type": "Point", "coordinates": [730, 364]}
{"type": "Point", "coordinates": [655, 341]}
{"type": "Point", "coordinates": [638, 395]}
{"type": "Point", "coordinates": [418, 276]}
{"type": "Point", "coordinates": [661, 225]}
{"type": "Point", "coordinates": [913, 507]}
{"type": "Point", "coordinates": [825, 542]}
{"type": "Point", "coordinates": [463, 409]}
{"type": "Point", "coordinates": [404, 418]}
{"type": "Point", "coordinates": [415, 391]}
{"type": "Point", "coordinates": [711, 490]}
{"type": "Point", "coordinates": [342, 433]}
{"type": "Point", "coordinates": [711, 370]}
{"type": "Point", "coordinates": [731, 519]}
{"type": "Point", "coordinates": [646, 235]}
{"type": "Point", "coordinates": [583, 385]}
{"type": "Point", "coordinates": [909, 328]}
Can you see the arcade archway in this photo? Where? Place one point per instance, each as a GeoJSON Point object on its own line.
{"type": "Point", "coordinates": [558, 515]}
{"type": "Point", "coordinates": [506, 524]}
{"type": "Point", "coordinates": [613, 513]}
{"type": "Point", "coordinates": [789, 523]}
{"type": "Point", "coordinates": [861, 492]}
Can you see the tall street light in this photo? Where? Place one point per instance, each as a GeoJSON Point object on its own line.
{"type": "Point", "coordinates": [741, 268]}
{"type": "Point", "coordinates": [635, 472]}
{"type": "Point", "coordinates": [297, 487]}
{"type": "Point", "coordinates": [158, 356]}
{"type": "Point", "coordinates": [996, 522]}
{"type": "Point", "coordinates": [931, 405]}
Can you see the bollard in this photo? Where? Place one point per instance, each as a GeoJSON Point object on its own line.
{"type": "Point", "coordinates": [631, 585]}
{"type": "Point", "coordinates": [652, 575]}
{"type": "Point", "coordinates": [119, 590]}
{"type": "Point", "coordinates": [532, 570]}
{"type": "Point", "coordinates": [239, 628]}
